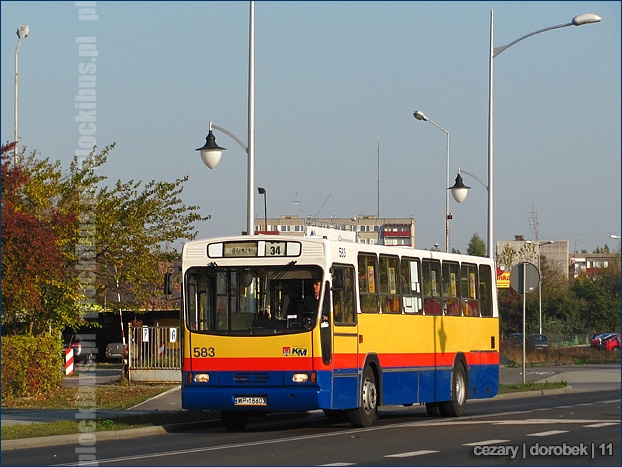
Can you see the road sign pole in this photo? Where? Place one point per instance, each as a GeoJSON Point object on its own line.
{"type": "Point", "coordinates": [524, 271]}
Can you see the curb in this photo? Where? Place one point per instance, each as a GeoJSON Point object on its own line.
{"type": "Point", "coordinates": [541, 392]}
{"type": "Point", "coordinates": [89, 437]}
{"type": "Point", "coordinates": [24, 443]}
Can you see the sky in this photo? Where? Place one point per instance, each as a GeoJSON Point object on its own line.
{"type": "Point", "coordinates": [336, 86]}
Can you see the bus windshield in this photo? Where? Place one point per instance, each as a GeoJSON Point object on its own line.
{"type": "Point", "coordinates": [251, 300]}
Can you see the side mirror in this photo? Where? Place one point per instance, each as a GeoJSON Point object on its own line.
{"type": "Point", "coordinates": [168, 283]}
{"type": "Point", "coordinates": [338, 279]}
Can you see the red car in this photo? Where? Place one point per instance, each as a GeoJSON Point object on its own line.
{"type": "Point", "coordinates": [596, 341]}
{"type": "Point", "coordinates": [612, 342]}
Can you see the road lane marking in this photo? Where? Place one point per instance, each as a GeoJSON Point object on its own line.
{"type": "Point", "coordinates": [599, 425]}
{"type": "Point", "coordinates": [548, 433]}
{"type": "Point", "coordinates": [413, 453]}
{"type": "Point", "coordinates": [487, 442]}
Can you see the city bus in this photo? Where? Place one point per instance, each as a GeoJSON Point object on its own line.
{"type": "Point", "coordinates": [392, 326]}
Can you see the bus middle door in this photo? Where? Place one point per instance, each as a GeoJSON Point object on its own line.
{"type": "Point", "coordinates": [344, 327]}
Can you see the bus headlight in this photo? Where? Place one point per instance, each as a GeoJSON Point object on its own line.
{"type": "Point", "coordinates": [305, 377]}
{"type": "Point", "coordinates": [201, 378]}
{"type": "Point", "coordinates": [300, 377]}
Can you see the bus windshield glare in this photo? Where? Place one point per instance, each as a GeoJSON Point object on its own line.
{"type": "Point", "coordinates": [251, 300]}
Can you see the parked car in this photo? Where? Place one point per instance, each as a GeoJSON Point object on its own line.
{"type": "Point", "coordinates": [116, 351]}
{"type": "Point", "coordinates": [596, 341]}
{"type": "Point", "coordinates": [611, 343]}
{"type": "Point", "coordinates": [538, 341]}
{"type": "Point", "coordinates": [515, 339]}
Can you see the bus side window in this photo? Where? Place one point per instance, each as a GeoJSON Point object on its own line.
{"type": "Point", "coordinates": [485, 289]}
{"type": "Point", "coordinates": [432, 287]}
{"type": "Point", "coordinates": [368, 280]}
{"type": "Point", "coordinates": [389, 285]}
{"type": "Point", "coordinates": [469, 289]}
{"type": "Point", "coordinates": [411, 285]}
{"type": "Point", "coordinates": [344, 303]}
{"type": "Point", "coordinates": [451, 276]}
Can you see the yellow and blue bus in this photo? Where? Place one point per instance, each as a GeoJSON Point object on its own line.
{"type": "Point", "coordinates": [392, 326]}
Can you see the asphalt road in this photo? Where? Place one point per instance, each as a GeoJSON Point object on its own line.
{"type": "Point", "coordinates": [565, 429]}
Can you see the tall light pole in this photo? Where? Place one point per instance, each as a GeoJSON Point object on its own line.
{"type": "Point", "coordinates": [262, 191]}
{"type": "Point", "coordinates": [211, 152]}
{"type": "Point", "coordinates": [419, 115]}
{"type": "Point", "coordinates": [22, 33]}
{"type": "Point", "coordinates": [539, 245]}
{"type": "Point", "coordinates": [494, 51]}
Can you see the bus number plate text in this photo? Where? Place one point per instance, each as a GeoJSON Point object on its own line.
{"type": "Point", "coordinates": [248, 400]}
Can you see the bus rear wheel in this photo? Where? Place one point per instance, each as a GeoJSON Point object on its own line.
{"type": "Point", "coordinates": [233, 420]}
{"type": "Point", "coordinates": [365, 415]}
{"type": "Point", "coordinates": [455, 407]}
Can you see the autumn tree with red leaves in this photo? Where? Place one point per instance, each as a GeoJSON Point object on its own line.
{"type": "Point", "coordinates": [72, 245]}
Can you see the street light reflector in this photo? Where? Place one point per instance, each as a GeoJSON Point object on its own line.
{"type": "Point", "coordinates": [459, 191]}
{"type": "Point", "coordinates": [211, 152]}
{"type": "Point", "coordinates": [23, 31]}
{"type": "Point", "coordinates": [419, 115]}
{"type": "Point", "coordinates": [586, 18]}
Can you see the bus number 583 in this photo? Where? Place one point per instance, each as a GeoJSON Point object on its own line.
{"type": "Point", "coordinates": [203, 352]}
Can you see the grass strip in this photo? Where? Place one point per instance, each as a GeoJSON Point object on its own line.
{"type": "Point", "coordinates": [520, 387]}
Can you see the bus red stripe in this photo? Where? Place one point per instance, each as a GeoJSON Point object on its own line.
{"type": "Point", "coordinates": [339, 361]}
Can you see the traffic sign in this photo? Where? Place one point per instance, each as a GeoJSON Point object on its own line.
{"type": "Point", "coordinates": [524, 277]}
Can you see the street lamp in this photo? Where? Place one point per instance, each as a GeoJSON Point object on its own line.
{"type": "Point", "coordinates": [211, 152]}
{"type": "Point", "coordinates": [494, 51]}
{"type": "Point", "coordinates": [539, 245]}
{"type": "Point", "coordinates": [22, 33]}
{"type": "Point", "coordinates": [419, 115]}
{"type": "Point", "coordinates": [262, 191]}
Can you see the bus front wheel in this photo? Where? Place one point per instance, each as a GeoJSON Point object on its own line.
{"type": "Point", "coordinates": [233, 420]}
{"type": "Point", "coordinates": [365, 415]}
{"type": "Point", "coordinates": [455, 407]}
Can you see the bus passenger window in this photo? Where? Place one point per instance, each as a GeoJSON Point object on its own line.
{"type": "Point", "coordinates": [485, 289]}
{"type": "Point", "coordinates": [411, 286]}
{"type": "Point", "coordinates": [451, 275]}
{"type": "Point", "coordinates": [389, 284]}
{"type": "Point", "coordinates": [368, 278]}
{"type": "Point", "coordinates": [469, 290]}
{"type": "Point", "coordinates": [431, 287]}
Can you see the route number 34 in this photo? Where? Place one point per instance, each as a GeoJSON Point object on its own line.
{"type": "Point", "coordinates": [204, 352]}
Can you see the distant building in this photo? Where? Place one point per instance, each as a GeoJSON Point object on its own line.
{"type": "Point", "coordinates": [556, 253]}
{"type": "Point", "coordinates": [590, 263]}
{"type": "Point", "coordinates": [361, 229]}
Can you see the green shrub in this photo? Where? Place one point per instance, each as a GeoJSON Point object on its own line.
{"type": "Point", "coordinates": [31, 366]}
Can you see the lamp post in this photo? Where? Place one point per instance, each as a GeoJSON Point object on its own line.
{"type": "Point", "coordinates": [421, 116]}
{"type": "Point", "coordinates": [22, 33]}
{"type": "Point", "coordinates": [211, 152]}
{"type": "Point", "coordinates": [494, 51]}
{"type": "Point", "coordinates": [539, 245]}
{"type": "Point", "coordinates": [262, 191]}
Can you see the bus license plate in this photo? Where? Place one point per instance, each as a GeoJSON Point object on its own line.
{"type": "Point", "coordinates": [248, 400]}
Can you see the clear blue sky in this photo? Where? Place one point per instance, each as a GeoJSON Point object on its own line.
{"type": "Point", "coordinates": [331, 80]}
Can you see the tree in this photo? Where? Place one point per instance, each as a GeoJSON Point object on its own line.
{"type": "Point", "coordinates": [68, 239]}
{"type": "Point", "coordinates": [476, 247]}
{"type": "Point", "coordinates": [36, 289]}
{"type": "Point", "coordinates": [599, 298]}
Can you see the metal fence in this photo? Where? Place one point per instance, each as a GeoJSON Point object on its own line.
{"type": "Point", "coordinates": [154, 353]}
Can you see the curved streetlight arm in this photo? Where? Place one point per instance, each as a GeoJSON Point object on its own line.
{"type": "Point", "coordinates": [498, 50]}
{"type": "Point", "coordinates": [460, 170]}
{"type": "Point", "coordinates": [579, 20]}
{"type": "Point", "coordinates": [231, 135]}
